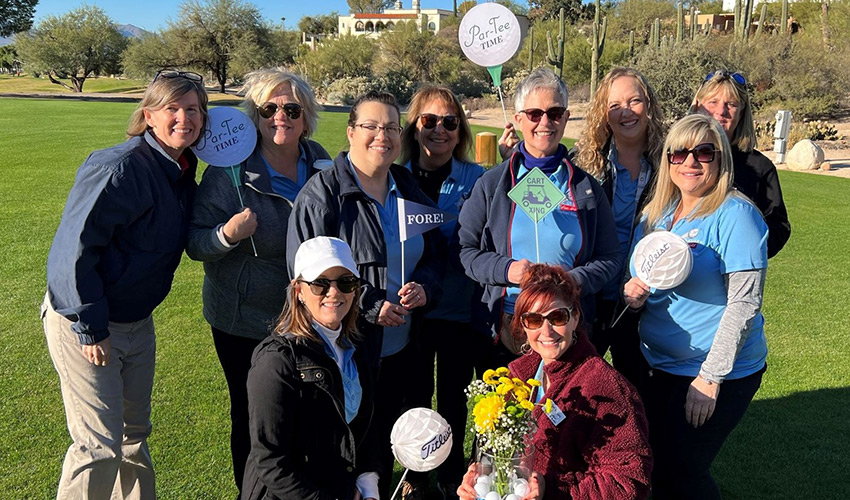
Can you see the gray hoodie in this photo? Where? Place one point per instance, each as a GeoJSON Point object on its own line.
{"type": "Point", "coordinates": [244, 294]}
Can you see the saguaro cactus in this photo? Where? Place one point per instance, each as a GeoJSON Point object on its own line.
{"type": "Point", "coordinates": [655, 34]}
{"type": "Point", "coordinates": [597, 46]}
{"type": "Point", "coordinates": [694, 26]}
{"type": "Point", "coordinates": [783, 25]}
{"type": "Point", "coordinates": [531, 46]}
{"type": "Point", "coordinates": [680, 22]}
{"type": "Point", "coordinates": [556, 59]}
{"type": "Point", "coordinates": [762, 16]}
{"type": "Point", "coordinates": [631, 44]}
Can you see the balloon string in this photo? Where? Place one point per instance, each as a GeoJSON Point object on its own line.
{"type": "Point", "coordinates": [241, 203]}
{"type": "Point", "coordinates": [401, 481]}
{"type": "Point", "coordinates": [618, 317]}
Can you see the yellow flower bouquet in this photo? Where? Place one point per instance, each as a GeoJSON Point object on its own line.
{"type": "Point", "coordinates": [501, 409]}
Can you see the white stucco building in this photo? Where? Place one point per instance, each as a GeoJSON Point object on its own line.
{"type": "Point", "coordinates": [364, 24]}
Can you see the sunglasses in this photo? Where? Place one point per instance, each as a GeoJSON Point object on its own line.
{"type": "Point", "coordinates": [704, 153]}
{"type": "Point", "coordinates": [291, 109]}
{"type": "Point", "coordinates": [738, 77]}
{"type": "Point", "coordinates": [554, 114]}
{"type": "Point", "coordinates": [558, 317]}
{"type": "Point", "coordinates": [171, 73]}
{"type": "Point", "coordinates": [429, 121]}
{"type": "Point", "coordinates": [320, 286]}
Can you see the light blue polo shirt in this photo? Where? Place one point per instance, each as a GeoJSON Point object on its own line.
{"type": "Point", "coordinates": [282, 184]}
{"type": "Point", "coordinates": [677, 327]}
{"type": "Point", "coordinates": [559, 232]}
{"type": "Point", "coordinates": [395, 337]}
{"type": "Point", "coordinates": [455, 304]}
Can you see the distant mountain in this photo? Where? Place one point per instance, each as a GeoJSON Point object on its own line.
{"type": "Point", "coordinates": [130, 31]}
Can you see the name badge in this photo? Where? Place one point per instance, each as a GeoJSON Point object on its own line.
{"type": "Point", "coordinates": [555, 415]}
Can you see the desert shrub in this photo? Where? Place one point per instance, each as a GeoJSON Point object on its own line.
{"type": "Point", "coordinates": [345, 90]}
{"type": "Point", "coordinates": [676, 72]}
{"type": "Point", "coordinates": [816, 130]}
{"type": "Point", "coordinates": [334, 59]}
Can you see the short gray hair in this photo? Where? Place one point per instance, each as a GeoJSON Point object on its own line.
{"type": "Point", "coordinates": [260, 84]}
{"type": "Point", "coordinates": [540, 78]}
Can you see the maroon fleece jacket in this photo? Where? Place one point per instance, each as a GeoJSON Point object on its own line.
{"type": "Point", "coordinates": [600, 451]}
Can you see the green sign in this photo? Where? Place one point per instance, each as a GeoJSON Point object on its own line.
{"type": "Point", "coordinates": [536, 195]}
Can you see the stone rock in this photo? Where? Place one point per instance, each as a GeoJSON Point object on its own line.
{"type": "Point", "coordinates": [825, 166]}
{"type": "Point", "coordinates": [467, 112]}
{"type": "Point", "coordinates": [805, 155]}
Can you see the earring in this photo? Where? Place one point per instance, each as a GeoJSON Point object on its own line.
{"type": "Point", "coordinates": [524, 348]}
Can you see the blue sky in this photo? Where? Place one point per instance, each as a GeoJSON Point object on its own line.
{"type": "Point", "coordinates": [153, 15]}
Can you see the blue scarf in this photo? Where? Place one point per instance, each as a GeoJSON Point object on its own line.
{"type": "Point", "coordinates": [548, 164]}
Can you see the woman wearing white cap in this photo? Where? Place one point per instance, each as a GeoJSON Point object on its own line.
{"type": "Point", "coordinates": [310, 391]}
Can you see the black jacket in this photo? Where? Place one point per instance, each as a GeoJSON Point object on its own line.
{"type": "Point", "coordinates": [301, 446]}
{"type": "Point", "coordinates": [756, 178]}
{"type": "Point", "coordinates": [333, 204]}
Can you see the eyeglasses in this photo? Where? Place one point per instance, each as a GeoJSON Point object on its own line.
{"type": "Point", "coordinates": [554, 114]}
{"type": "Point", "coordinates": [320, 286]}
{"type": "Point", "coordinates": [738, 77]}
{"type": "Point", "coordinates": [172, 73]}
{"type": "Point", "coordinates": [704, 153]}
{"type": "Point", "coordinates": [291, 109]}
{"type": "Point", "coordinates": [429, 121]}
{"type": "Point", "coordinates": [558, 317]}
{"type": "Point", "coordinates": [374, 129]}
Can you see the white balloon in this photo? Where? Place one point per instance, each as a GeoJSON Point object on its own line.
{"type": "Point", "coordinates": [228, 138]}
{"type": "Point", "coordinates": [513, 496]}
{"type": "Point", "coordinates": [492, 496]}
{"type": "Point", "coordinates": [484, 480]}
{"type": "Point", "coordinates": [421, 439]}
{"type": "Point", "coordinates": [481, 490]}
{"type": "Point", "coordinates": [489, 34]}
{"type": "Point", "coordinates": [662, 260]}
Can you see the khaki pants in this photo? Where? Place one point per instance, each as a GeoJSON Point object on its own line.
{"type": "Point", "coordinates": [107, 409]}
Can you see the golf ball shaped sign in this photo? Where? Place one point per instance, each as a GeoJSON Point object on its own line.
{"type": "Point", "coordinates": [489, 34]}
{"type": "Point", "coordinates": [662, 260]}
{"type": "Point", "coordinates": [421, 439]}
{"type": "Point", "coordinates": [228, 138]}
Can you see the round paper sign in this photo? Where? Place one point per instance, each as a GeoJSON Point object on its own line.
{"type": "Point", "coordinates": [662, 260]}
{"type": "Point", "coordinates": [489, 34]}
{"type": "Point", "coordinates": [229, 138]}
{"type": "Point", "coordinates": [421, 439]}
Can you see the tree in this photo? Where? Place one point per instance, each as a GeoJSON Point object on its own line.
{"type": "Point", "coordinates": [16, 16]}
{"type": "Point", "coordinates": [320, 25]}
{"type": "Point", "coordinates": [143, 57]}
{"type": "Point", "coordinates": [9, 61]}
{"type": "Point", "coordinates": [346, 56]}
{"type": "Point", "coordinates": [465, 6]}
{"type": "Point", "coordinates": [218, 34]}
{"type": "Point", "coordinates": [80, 44]}
{"type": "Point", "coordinates": [370, 6]}
{"type": "Point", "coordinates": [574, 11]}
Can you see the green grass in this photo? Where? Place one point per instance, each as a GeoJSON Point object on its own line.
{"type": "Point", "coordinates": [791, 444]}
{"type": "Point", "coordinates": [27, 83]}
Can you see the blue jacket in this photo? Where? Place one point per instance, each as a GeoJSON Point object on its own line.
{"type": "Point", "coordinates": [484, 235]}
{"type": "Point", "coordinates": [121, 237]}
{"type": "Point", "coordinates": [331, 203]}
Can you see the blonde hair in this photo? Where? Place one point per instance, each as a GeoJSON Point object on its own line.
{"type": "Point", "coordinates": [686, 133]}
{"type": "Point", "coordinates": [261, 84]}
{"type": "Point", "coordinates": [297, 320]}
{"type": "Point", "coordinates": [161, 92]}
{"type": "Point", "coordinates": [744, 135]}
{"type": "Point", "coordinates": [423, 97]}
{"type": "Point", "coordinates": [597, 133]}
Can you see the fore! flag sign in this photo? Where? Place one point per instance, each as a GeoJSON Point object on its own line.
{"type": "Point", "coordinates": [415, 218]}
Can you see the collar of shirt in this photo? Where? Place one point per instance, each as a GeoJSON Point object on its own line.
{"type": "Point", "coordinates": [392, 188]}
{"type": "Point", "coordinates": [151, 140]}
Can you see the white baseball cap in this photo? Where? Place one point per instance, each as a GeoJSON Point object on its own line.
{"type": "Point", "coordinates": [321, 253]}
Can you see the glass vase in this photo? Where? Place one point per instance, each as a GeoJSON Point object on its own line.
{"type": "Point", "coordinates": [504, 474]}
